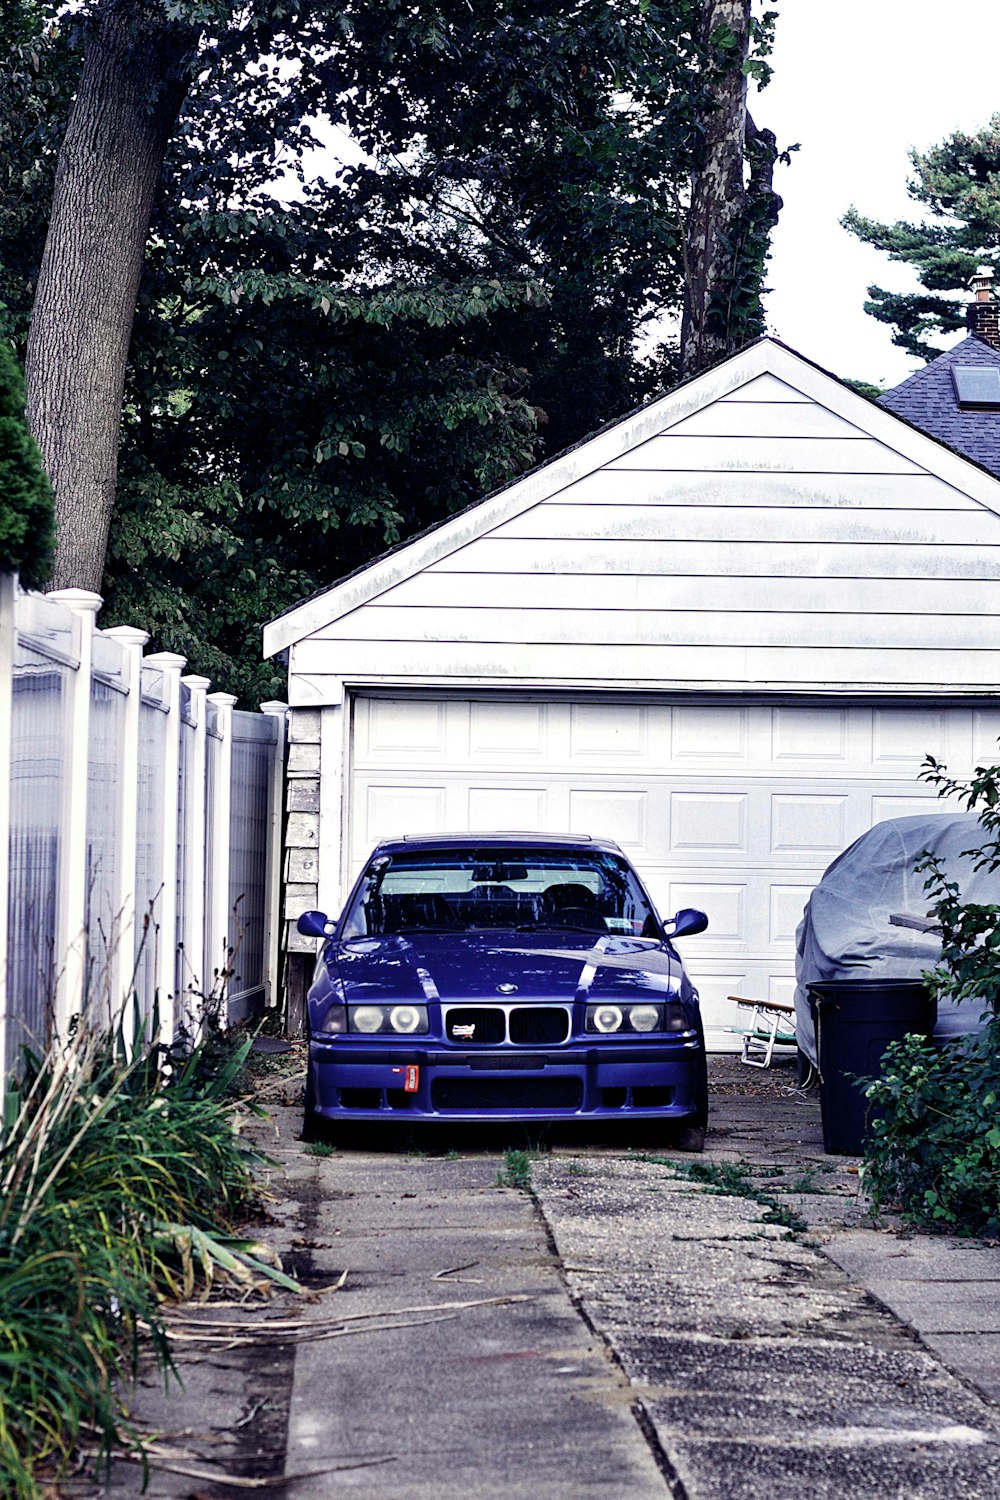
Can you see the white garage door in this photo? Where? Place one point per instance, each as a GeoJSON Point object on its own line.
{"type": "Point", "coordinates": [735, 809]}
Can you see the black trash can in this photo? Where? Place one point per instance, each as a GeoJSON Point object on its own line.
{"type": "Point", "coordinates": [855, 1020]}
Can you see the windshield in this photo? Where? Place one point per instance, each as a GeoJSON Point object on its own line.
{"type": "Point", "coordinates": [460, 890]}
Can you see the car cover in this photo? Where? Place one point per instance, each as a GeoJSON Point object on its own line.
{"type": "Point", "coordinates": [845, 931]}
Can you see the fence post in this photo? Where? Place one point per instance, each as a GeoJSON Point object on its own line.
{"type": "Point", "coordinates": [278, 711]}
{"type": "Point", "coordinates": [71, 902]}
{"type": "Point", "coordinates": [171, 665]}
{"type": "Point", "coordinates": [8, 635]}
{"type": "Point", "coordinates": [193, 843]}
{"type": "Point", "coordinates": [132, 642]}
{"type": "Point", "coordinates": [218, 940]}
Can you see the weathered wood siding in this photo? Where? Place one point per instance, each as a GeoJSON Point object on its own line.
{"type": "Point", "coordinates": [761, 541]}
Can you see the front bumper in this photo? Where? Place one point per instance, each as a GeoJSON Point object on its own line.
{"type": "Point", "coordinates": [613, 1080]}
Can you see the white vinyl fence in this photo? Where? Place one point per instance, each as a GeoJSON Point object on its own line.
{"type": "Point", "coordinates": [140, 827]}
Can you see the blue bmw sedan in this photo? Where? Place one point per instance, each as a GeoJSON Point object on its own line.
{"type": "Point", "coordinates": [504, 977]}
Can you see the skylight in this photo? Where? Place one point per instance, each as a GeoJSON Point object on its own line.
{"type": "Point", "coordinates": [977, 387]}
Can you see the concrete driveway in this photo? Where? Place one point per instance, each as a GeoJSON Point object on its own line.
{"type": "Point", "coordinates": [628, 1323]}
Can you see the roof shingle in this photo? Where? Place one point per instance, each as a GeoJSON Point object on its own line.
{"type": "Point", "coordinates": [928, 400]}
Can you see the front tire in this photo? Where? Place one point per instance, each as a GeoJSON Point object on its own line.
{"type": "Point", "coordinates": [312, 1125]}
{"type": "Point", "coordinates": [689, 1133]}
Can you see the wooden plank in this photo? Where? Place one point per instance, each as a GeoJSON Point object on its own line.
{"type": "Point", "coordinates": [364, 661]}
{"type": "Point", "coordinates": [665, 523]}
{"type": "Point", "coordinates": [665, 627]}
{"type": "Point", "coordinates": [917, 491]}
{"type": "Point", "coordinates": [722, 559]}
{"type": "Point", "coordinates": [610, 591]}
{"type": "Point", "coordinates": [786, 419]}
{"type": "Point", "coordinates": [861, 455]}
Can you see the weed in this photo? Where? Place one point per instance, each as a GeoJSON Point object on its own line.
{"type": "Point", "coordinates": [577, 1168]}
{"type": "Point", "coordinates": [319, 1148]}
{"type": "Point", "coordinates": [516, 1170]}
{"type": "Point", "coordinates": [735, 1180]}
{"type": "Point", "coordinates": [807, 1183]}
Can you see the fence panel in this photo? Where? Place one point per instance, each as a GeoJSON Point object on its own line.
{"type": "Point", "coordinates": [137, 771]}
{"type": "Point", "coordinates": [44, 660]}
{"type": "Point", "coordinates": [255, 744]}
{"type": "Point", "coordinates": [108, 698]}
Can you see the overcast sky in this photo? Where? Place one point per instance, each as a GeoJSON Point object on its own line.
{"type": "Point", "coordinates": [858, 83]}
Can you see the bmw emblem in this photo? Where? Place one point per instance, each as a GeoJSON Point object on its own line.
{"type": "Point", "coordinates": [506, 989]}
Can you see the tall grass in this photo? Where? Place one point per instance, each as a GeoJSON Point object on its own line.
{"type": "Point", "coordinates": [121, 1180]}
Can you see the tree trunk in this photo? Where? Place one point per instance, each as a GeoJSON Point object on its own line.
{"type": "Point", "coordinates": [131, 89]}
{"type": "Point", "coordinates": [717, 198]}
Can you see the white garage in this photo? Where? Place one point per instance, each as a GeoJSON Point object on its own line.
{"type": "Point", "coordinates": [723, 632]}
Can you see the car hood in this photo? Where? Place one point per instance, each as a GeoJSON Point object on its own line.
{"type": "Point", "coordinates": [550, 965]}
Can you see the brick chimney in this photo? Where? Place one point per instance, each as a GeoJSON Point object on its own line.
{"type": "Point", "coordinates": [983, 314]}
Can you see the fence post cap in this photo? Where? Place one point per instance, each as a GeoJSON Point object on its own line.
{"type": "Point", "coordinates": [274, 706]}
{"type": "Point", "coordinates": [223, 700]}
{"type": "Point", "coordinates": [84, 601]}
{"type": "Point", "coordinates": [165, 661]}
{"type": "Point", "coordinates": [128, 635]}
{"type": "Point", "coordinates": [195, 683]}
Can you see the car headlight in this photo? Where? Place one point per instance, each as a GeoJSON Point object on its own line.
{"type": "Point", "coordinates": [402, 1019]}
{"type": "Point", "coordinates": [638, 1018]}
{"type": "Point", "coordinates": [408, 1018]}
{"type": "Point", "coordinates": [367, 1018]}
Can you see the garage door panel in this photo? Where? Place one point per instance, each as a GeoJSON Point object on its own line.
{"type": "Point", "coordinates": [906, 806]}
{"type": "Point", "coordinates": [736, 809]}
{"type": "Point", "coordinates": [809, 737]}
{"type": "Point", "coordinates": [985, 736]}
{"type": "Point", "coordinates": [716, 821]}
{"type": "Point", "coordinates": [785, 913]}
{"type": "Point", "coordinates": [394, 810]}
{"type": "Point", "coordinates": [517, 731]}
{"type": "Point", "coordinates": [602, 733]}
{"type": "Point", "coordinates": [507, 807]}
{"type": "Point", "coordinates": [611, 814]}
{"type": "Point", "coordinates": [716, 735]}
{"type": "Point", "coordinates": [808, 823]}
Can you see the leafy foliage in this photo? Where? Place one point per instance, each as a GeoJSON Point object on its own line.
{"type": "Point", "coordinates": [25, 496]}
{"type": "Point", "coordinates": [958, 183]}
{"type": "Point", "coordinates": [934, 1149]}
{"type": "Point", "coordinates": [322, 367]}
{"type": "Point", "coordinates": [119, 1183]}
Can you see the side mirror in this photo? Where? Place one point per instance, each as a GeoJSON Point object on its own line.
{"type": "Point", "coordinates": [687, 920]}
{"type": "Point", "coordinates": [314, 924]}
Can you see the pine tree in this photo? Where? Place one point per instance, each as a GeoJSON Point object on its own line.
{"type": "Point", "coordinates": [958, 182]}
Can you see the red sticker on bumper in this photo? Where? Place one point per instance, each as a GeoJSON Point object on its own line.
{"type": "Point", "coordinates": [412, 1080]}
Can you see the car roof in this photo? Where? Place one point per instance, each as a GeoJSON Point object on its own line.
{"type": "Point", "coordinates": [502, 840]}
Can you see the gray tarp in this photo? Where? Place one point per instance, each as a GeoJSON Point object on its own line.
{"type": "Point", "coordinates": [845, 931]}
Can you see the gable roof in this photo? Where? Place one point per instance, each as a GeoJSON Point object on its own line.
{"type": "Point", "coordinates": [802, 381]}
{"type": "Point", "coordinates": [928, 400]}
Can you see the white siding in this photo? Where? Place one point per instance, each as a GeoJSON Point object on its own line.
{"type": "Point", "coordinates": [760, 540]}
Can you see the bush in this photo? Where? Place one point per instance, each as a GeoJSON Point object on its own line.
{"type": "Point", "coordinates": [935, 1152]}
{"type": "Point", "coordinates": [120, 1182]}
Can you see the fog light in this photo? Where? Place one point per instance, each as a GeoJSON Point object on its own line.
{"type": "Point", "coordinates": [408, 1018]}
{"type": "Point", "coordinates": [644, 1017]}
{"type": "Point", "coordinates": [367, 1018]}
{"type": "Point", "coordinates": [606, 1018]}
